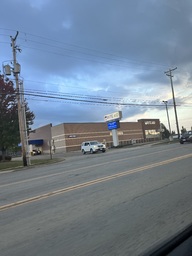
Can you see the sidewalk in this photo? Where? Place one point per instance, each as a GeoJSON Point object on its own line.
{"type": "Point", "coordinates": [79, 153]}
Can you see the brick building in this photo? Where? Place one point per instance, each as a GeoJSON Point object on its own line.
{"type": "Point", "coordinates": [67, 137]}
{"type": "Point", "coordinates": [150, 127]}
{"type": "Point", "coordinates": [40, 138]}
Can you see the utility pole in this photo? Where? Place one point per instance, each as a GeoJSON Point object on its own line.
{"type": "Point", "coordinates": [20, 109]}
{"type": "Point", "coordinates": [24, 122]}
{"type": "Point", "coordinates": [169, 73]}
{"type": "Point", "coordinates": [165, 102]}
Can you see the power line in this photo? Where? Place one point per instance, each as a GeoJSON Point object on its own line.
{"type": "Point", "coordinates": [88, 54]}
{"type": "Point", "coordinates": [84, 99]}
{"type": "Point", "coordinates": [104, 100]}
{"type": "Point", "coordinates": [90, 49]}
{"type": "Point", "coordinates": [112, 63]}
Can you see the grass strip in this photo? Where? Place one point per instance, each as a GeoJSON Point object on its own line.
{"type": "Point", "coordinates": [10, 165]}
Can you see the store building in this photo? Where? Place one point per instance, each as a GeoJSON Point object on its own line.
{"type": "Point", "coordinates": [150, 128]}
{"type": "Point", "coordinates": [68, 137]}
{"type": "Point", "coordinates": [40, 138]}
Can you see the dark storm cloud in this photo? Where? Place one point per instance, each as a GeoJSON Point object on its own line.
{"type": "Point", "coordinates": [104, 48]}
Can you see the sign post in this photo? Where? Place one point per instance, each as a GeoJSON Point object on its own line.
{"type": "Point", "coordinates": [115, 138]}
{"type": "Point", "coordinates": [113, 124]}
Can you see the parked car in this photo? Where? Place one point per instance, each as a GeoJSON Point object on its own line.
{"type": "Point", "coordinates": [92, 147]}
{"type": "Point", "coordinates": [186, 137]}
{"type": "Point", "coordinates": [36, 152]}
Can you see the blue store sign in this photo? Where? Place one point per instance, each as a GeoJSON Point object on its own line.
{"type": "Point", "coordinates": [113, 125]}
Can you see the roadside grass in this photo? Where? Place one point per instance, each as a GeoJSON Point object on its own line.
{"type": "Point", "coordinates": [166, 141]}
{"type": "Point", "coordinates": [9, 165]}
{"type": "Point", "coordinates": [16, 164]}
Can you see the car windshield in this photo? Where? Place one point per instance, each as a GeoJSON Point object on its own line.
{"type": "Point", "coordinates": [186, 134]}
{"type": "Point", "coordinates": [95, 126]}
{"type": "Point", "coordinates": [94, 142]}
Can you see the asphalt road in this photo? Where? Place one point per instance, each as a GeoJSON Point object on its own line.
{"type": "Point", "coordinates": [120, 202]}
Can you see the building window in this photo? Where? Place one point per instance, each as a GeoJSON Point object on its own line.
{"type": "Point", "coordinates": [151, 133]}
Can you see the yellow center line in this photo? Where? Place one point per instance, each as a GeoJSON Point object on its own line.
{"type": "Point", "coordinates": [92, 182]}
{"type": "Point", "coordinates": [78, 169]}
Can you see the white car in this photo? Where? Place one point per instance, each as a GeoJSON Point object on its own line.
{"type": "Point", "coordinates": [92, 147]}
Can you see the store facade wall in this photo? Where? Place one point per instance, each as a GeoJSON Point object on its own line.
{"type": "Point", "coordinates": [68, 137]}
{"type": "Point", "coordinates": [41, 134]}
{"type": "Point", "coordinates": [150, 128]}
{"type": "Point", "coordinates": [58, 138]}
{"type": "Point", "coordinates": [130, 133]}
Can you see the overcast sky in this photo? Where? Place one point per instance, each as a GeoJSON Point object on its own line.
{"type": "Point", "coordinates": [83, 59]}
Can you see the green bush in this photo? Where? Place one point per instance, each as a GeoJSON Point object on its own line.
{"type": "Point", "coordinates": [7, 158]}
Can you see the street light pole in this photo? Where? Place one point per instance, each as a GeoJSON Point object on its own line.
{"type": "Point", "coordinates": [169, 73]}
{"type": "Point", "coordinates": [165, 102]}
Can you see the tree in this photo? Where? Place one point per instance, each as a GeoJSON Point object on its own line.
{"type": "Point", "coordinates": [165, 133]}
{"type": "Point", "coordinates": [183, 130]}
{"type": "Point", "coordinates": [9, 124]}
{"type": "Point", "coordinates": [29, 117]}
